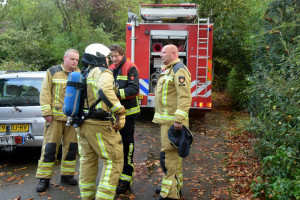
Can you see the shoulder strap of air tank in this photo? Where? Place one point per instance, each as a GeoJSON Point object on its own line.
{"type": "Point", "coordinates": [85, 72]}
{"type": "Point", "coordinates": [99, 99]}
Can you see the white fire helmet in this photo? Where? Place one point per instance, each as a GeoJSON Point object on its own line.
{"type": "Point", "coordinates": [95, 54]}
{"type": "Point", "coordinates": [96, 49]}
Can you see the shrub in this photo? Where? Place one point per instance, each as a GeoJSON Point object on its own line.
{"type": "Point", "coordinates": [274, 102]}
{"type": "Point", "coordinates": [236, 89]}
{"type": "Point", "coordinates": [281, 179]}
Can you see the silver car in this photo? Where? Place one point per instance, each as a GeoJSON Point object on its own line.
{"type": "Point", "coordinates": [21, 121]}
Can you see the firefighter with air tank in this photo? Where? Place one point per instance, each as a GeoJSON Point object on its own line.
{"type": "Point", "coordinates": [98, 135]}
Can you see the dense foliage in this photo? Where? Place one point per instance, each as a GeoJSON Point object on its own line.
{"type": "Point", "coordinates": [274, 101]}
{"type": "Point", "coordinates": [47, 28]}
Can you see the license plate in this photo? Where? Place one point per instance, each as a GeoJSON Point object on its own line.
{"type": "Point", "coordinates": [15, 128]}
{"type": "Point", "coordinates": [6, 140]}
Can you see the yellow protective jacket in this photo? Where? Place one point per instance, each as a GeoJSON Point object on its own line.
{"type": "Point", "coordinates": [173, 94]}
{"type": "Point", "coordinates": [100, 82]}
{"type": "Point", "coordinates": [53, 91]}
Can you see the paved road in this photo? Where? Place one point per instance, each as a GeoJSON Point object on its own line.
{"type": "Point", "coordinates": [203, 172]}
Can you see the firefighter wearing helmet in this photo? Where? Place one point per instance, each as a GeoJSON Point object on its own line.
{"type": "Point", "coordinates": [127, 78]}
{"type": "Point", "coordinates": [98, 135]}
{"type": "Point", "coordinates": [172, 104]}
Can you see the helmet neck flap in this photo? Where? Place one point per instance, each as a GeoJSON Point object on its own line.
{"type": "Point", "coordinates": [89, 59]}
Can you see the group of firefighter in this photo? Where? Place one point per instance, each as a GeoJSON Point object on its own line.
{"type": "Point", "coordinates": [111, 140]}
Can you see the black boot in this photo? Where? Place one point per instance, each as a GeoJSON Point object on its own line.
{"type": "Point", "coordinates": [43, 185]}
{"type": "Point", "coordinates": [123, 187]}
{"type": "Point", "coordinates": [68, 179]}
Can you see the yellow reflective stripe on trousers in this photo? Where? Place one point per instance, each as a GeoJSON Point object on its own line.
{"type": "Point", "coordinates": [180, 175]}
{"type": "Point", "coordinates": [46, 164]}
{"type": "Point", "coordinates": [87, 194]}
{"type": "Point", "coordinates": [87, 189]}
{"type": "Point", "coordinates": [105, 196]}
{"type": "Point", "coordinates": [65, 169]}
{"type": "Point", "coordinates": [115, 107]}
{"type": "Point", "coordinates": [101, 145]}
{"type": "Point", "coordinates": [125, 177]}
{"type": "Point", "coordinates": [45, 107]}
{"type": "Point", "coordinates": [125, 78]}
{"type": "Point", "coordinates": [166, 182]}
{"type": "Point", "coordinates": [45, 168]}
{"type": "Point", "coordinates": [107, 173]}
{"type": "Point", "coordinates": [57, 88]}
{"type": "Point", "coordinates": [69, 162]}
{"type": "Point", "coordinates": [87, 185]}
{"type": "Point", "coordinates": [165, 89]}
{"type": "Point", "coordinates": [44, 172]}
{"type": "Point", "coordinates": [106, 186]}
{"type": "Point", "coordinates": [122, 94]}
{"type": "Point", "coordinates": [182, 113]}
{"type": "Point", "coordinates": [180, 178]}
{"type": "Point", "coordinates": [130, 152]}
{"type": "Point", "coordinates": [108, 169]}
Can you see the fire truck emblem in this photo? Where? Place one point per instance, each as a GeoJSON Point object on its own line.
{"type": "Point", "coordinates": [181, 79]}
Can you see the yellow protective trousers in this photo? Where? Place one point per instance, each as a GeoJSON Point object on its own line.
{"type": "Point", "coordinates": [171, 163]}
{"type": "Point", "coordinates": [94, 141]}
{"type": "Point", "coordinates": [54, 134]}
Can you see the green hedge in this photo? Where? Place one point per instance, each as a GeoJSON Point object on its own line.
{"type": "Point", "coordinates": [274, 102]}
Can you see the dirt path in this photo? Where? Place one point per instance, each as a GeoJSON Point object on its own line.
{"type": "Point", "coordinates": [205, 172]}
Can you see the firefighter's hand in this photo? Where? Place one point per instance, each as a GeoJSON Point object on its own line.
{"type": "Point", "coordinates": [177, 126]}
{"type": "Point", "coordinates": [48, 118]}
{"type": "Point", "coordinates": [120, 122]}
{"type": "Point", "coordinates": [120, 119]}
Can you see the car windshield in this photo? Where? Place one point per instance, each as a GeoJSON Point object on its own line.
{"type": "Point", "coordinates": [20, 91]}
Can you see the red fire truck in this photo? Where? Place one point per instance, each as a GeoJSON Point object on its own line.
{"type": "Point", "coordinates": [176, 24]}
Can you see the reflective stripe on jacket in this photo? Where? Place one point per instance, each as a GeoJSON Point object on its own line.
{"type": "Point", "coordinates": [127, 78]}
{"type": "Point", "coordinates": [100, 80]}
{"type": "Point", "coordinates": [173, 94]}
{"type": "Point", "coordinates": [53, 91]}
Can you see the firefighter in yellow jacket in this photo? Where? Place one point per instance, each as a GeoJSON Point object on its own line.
{"type": "Point", "coordinates": [98, 134]}
{"type": "Point", "coordinates": [51, 100]}
{"type": "Point", "coordinates": [172, 104]}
